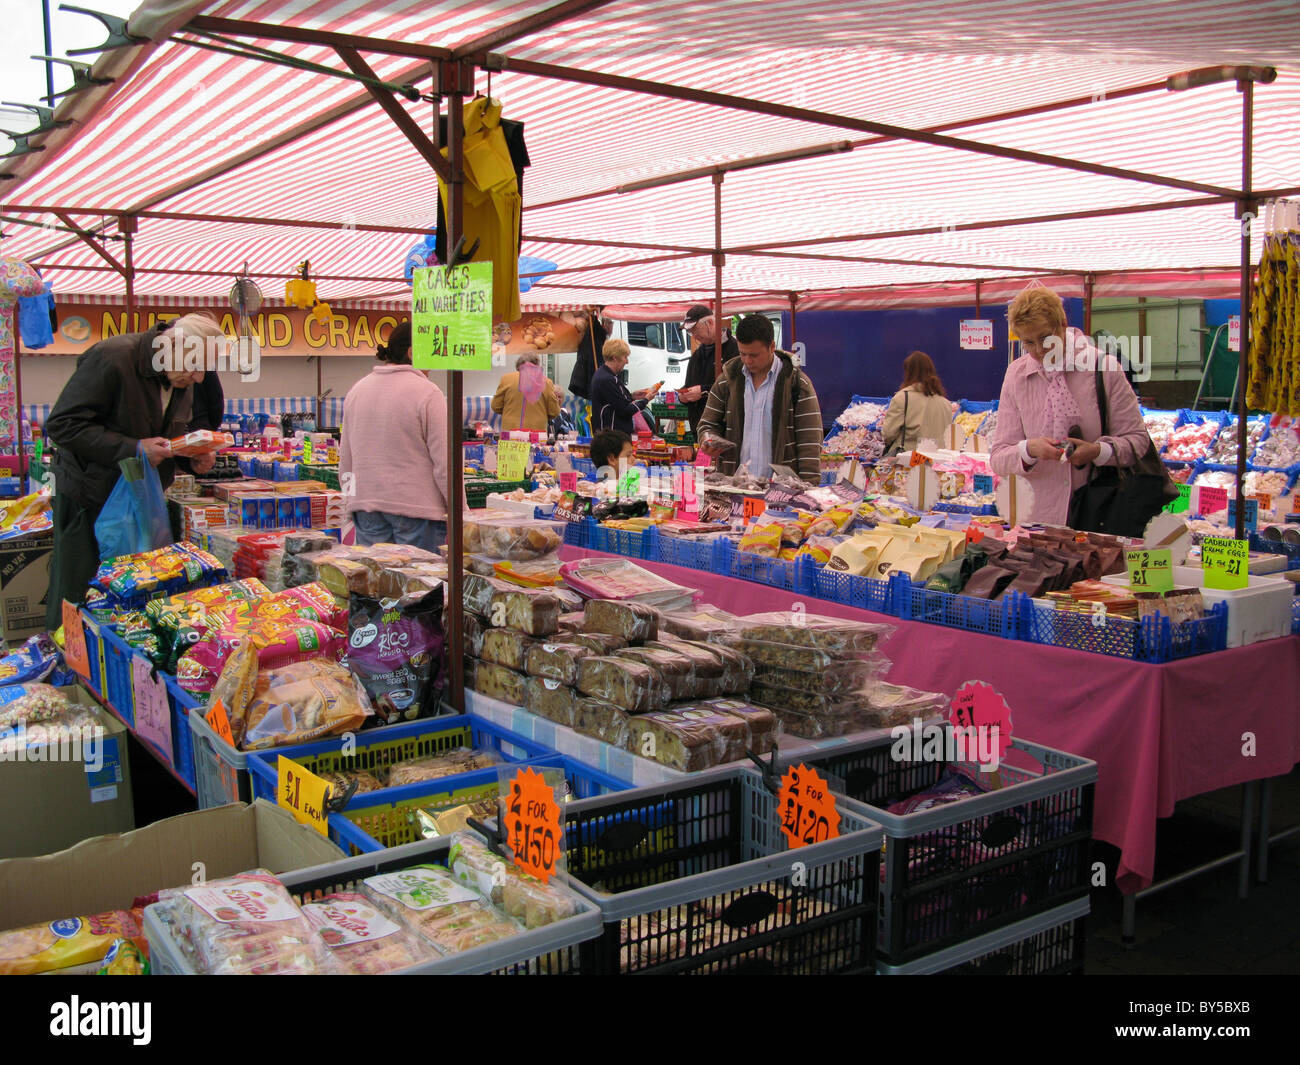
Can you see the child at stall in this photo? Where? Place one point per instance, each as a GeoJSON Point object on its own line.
{"type": "Point", "coordinates": [612, 453]}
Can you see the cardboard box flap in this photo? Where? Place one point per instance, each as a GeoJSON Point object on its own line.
{"type": "Point", "coordinates": [109, 872]}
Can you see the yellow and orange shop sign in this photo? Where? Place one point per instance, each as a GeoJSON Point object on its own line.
{"type": "Point", "coordinates": [287, 331]}
{"type": "Point", "coordinates": [291, 331]}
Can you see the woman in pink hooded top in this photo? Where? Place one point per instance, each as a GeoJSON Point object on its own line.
{"type": "Point", "coordinates": [1049, 401]}
{"type": "Point", "coordinates": [393, 455]}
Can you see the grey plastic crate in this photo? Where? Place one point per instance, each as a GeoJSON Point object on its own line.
{"type": "Point", "coordinates": [696, 876]}
{"type": "Point", "coordinates": [1049, 944]}
{"type": "Point", "coordinates": [1006, 854]}
{"type": "Point", "coordinates": [220, 771]}
{"type": "Point", "coordinates": [552, 949]}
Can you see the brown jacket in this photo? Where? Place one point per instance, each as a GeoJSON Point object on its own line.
{"type": "Point", "coordinates": [796, 420]}
{"type": "Point", "coordinates": [509, 403]}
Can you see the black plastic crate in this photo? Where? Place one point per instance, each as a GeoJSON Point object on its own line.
{"type": "Point", "coordinates": [696, 877]}
{"type": "Point", "coordinates": [1052, 944]}
{"type": "Point", "coordinates": [965, 868]}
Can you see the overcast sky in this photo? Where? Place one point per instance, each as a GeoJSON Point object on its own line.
{"type": "Point", "coordinates": [22, 80]}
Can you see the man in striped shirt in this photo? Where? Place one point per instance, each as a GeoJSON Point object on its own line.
{"type": "Point", "coordinates": [763, 410]}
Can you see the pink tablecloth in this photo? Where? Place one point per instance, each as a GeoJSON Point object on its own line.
{"type": "Point", "coordinates": [1157, 733]}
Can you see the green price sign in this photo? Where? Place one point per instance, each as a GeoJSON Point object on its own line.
{"type": "Point", "coordinates": [1226, 563]}
{"type": "Point", "coordinates": [512, 459]}
{"type": "Point", "coordinates": [1150, 571]}
{"type": "Point", "coordinates": [1183, 502]}
{"type": "Point", "coordinates": [451, 317]}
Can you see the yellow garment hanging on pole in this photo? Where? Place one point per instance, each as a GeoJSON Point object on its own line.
{"type": "Point", "coordinates": [492, 203]}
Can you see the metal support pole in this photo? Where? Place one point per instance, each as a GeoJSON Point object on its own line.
{"type": "Point", "coordinates": [127, 225]}
{"type": "Point", "coordinates": [794, 318]}
{"type": "Point", "coordinates": [977, 298]}
{"type": "Point", "coordinates": [455, 411]}
{"type": "Point", "coordinates": [1088, 282]}
{"type": "Point", "coordinates": [718, 260]}
{"type": "Point", "coordinates": [1248, 204]}
{"type": "Point", "coordinates": [18, 400]}
{"type": "Point", "coordinates": [320, 403]}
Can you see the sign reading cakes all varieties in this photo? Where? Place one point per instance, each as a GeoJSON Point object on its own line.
{"type": "Point", "coordinates": [451, 319]}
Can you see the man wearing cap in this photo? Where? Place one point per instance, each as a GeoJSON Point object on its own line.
{"type": "Point", "coordinates": [701, 326]}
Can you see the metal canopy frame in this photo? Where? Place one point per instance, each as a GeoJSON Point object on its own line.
{"type": "Point", "coordinates": [452, 72]}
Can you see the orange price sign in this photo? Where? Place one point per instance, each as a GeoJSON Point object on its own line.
{"type": "Point", "coordinates": [74, 641]}
{"type": "Point", "coordinates": [534, 826]}
{"type": "Point", "coordinates": [920, 460]}
{"type": "Point", "coordinates": [1265, 500]}
{"type": "Point", "coordinates": [220, 722]}
{"type": "Point", "coordinates": [806, 807]}
{"type": "Point", "coordinates": [752, 508]}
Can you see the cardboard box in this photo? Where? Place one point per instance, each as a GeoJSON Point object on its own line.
{"type": "Point", "coordinates": [55, 795]}
{"type": "Point", "coordinates": [24, 585]}
{"type": "Point", "coordinates": [110, 872]}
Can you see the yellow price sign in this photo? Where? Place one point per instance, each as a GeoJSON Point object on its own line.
{"type": "Point", "coordinates": [1226, 563]}
{"type": "Point", "coordinates": [512, 459]}
{"type": "Point", "coordinates": [304, 795]}
{"type": "Point", "coordinates": [1150, 570]}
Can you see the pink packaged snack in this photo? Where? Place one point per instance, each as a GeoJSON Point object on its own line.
{"type": "Point", "coordinates": [362, 938]}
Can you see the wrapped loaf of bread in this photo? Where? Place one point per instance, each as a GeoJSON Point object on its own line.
{"type": "Point", "coordinates": [498, 682]}
{"type": "Point", "coordinates": [556, 661]}
{"type": "Point", "coordinates": [762, 722]}
{"type": "Point", "coordinates": [602, 720]}
{"type": "Point", "coordinates": [631, 686]}
{"type": "Point", "coordinates": [550, 699]}
{"type": "Point", "coordinates": [707, 667]}
{"type": "Point", "coordinates": [506, 647]}
{"type": "Point", "coordinates": [676, 671]}
{"type": "Point", "coordinates": [599, 643]}
{"type": "Point", "coordinates": [529, 610]}
{"type": "Point", "coordinates": [633, 622]}
{"type": "Point", "coordinates": [689, 737]}
{"type": "Point", "coordinates": [737, 670]}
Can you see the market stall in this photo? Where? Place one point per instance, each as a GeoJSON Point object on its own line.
{"type": "Point", "coordinates": [761, 613]}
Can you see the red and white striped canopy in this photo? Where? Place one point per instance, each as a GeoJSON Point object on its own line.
{"type": "Point", "coordinates": [190, 132]}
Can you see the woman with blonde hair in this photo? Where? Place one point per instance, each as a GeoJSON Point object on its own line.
{"type": "Point", "coordinates": [920, 409]}
{"type": "Point", "coordinates": [1052, 427]}
{"type": "Point", "coordinates": [612, 405]}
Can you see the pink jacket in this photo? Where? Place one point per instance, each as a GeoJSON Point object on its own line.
{"type": "Point", "coordinates": [1023, 415]}
{"type": "Point", "coordinates": [394, 446]}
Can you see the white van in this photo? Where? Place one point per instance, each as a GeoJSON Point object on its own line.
{"type": "Point", "coordinates": [659, 352]}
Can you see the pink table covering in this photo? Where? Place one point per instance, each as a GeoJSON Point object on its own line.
{"type": "Point", "coordinates": [1158, 733]}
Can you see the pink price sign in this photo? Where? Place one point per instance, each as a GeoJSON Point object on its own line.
{"type": "Point", "coordinates": [1212, 500]}
{"type": "Point", "coordinates": [569, 481]}
{"type": "Point", "coordinates": [979, 709]}
{"type": "Point", "coordinates": [153, 714]}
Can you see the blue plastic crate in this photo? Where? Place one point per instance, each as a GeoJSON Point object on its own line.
{"type": "Point", "coordinates": [119, 690]}
{"type": "Point", "coordinates": [691, 552]}
{"type": "Point", "coordinates": [977, 406]}
{"type": "Point", "coordinates": [381, 747]}
{"type": "Point", "coordinates": [639, 545]}
{"type": "Point", "coordinates": [579, 533]}
{"type": "Point", "coordinates": [181, 703]}
{"type": "Point", "coordinates": [1152, 639]}
{"type": "Point", "coordinates": [378, 820]}
{"type": "Point", "coordinates": [998, 617]}
{"type": "Point", "coordinates": [474, 453]}
{"type": "Point", "coordinates": [1276, 547]}
{"type": "Point", "coordinates": [798, 576]}
{"type": "Point", "coordinates": [864, 593]}
{"type": "Point", "coordinates": [584, 468]}
{"type": "Point", "coordinates": [94, 653]}
{"type": "Point", "coordinates": [957, 508]}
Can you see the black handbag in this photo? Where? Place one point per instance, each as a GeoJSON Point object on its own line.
{"type": "Point", "coordinates": [1121, 500]}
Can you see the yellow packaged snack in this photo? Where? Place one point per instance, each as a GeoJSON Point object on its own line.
{"type": "Point", "coordinates": [763, 540]}
{"type": "Point", "coordinates": [62, 944]}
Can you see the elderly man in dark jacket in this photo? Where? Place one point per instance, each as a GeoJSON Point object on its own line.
{"type": "Point", "coordinates": [123, 396]}
{"type": "Point", "coordinates": [763, 410]}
